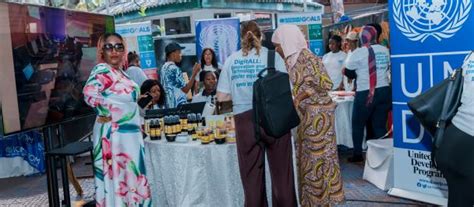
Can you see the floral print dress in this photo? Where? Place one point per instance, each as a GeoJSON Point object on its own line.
{"type": "Point", "coordinates": [118, 154]}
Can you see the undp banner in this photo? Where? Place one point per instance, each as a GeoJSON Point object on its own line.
{"type": "Point", "coordinates": [429, 38]}
{"type": "Point", "coordinates": [139, 39]}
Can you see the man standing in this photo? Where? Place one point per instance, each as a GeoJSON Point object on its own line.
{"type": "Point", "coordinates": [172, 78]}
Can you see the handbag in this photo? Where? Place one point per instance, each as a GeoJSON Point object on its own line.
{"type": "Point", "coordinates": [436, 107]}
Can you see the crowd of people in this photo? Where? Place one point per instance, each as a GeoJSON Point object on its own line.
{"type": "Point", "coordinates": [364, 69]}
{"type": "Point", "coordinates": [114, 91]}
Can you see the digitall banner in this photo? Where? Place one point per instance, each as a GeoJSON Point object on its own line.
{"type": "Point", "coordinates": [311, 26]}
{"type": "Point", "coordinates": [429, 40]}
{"type": "Point", "coordinates": [139, 39]}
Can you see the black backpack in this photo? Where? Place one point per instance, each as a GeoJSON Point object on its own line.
{"type": "Point", "coordinates": [273, 106]}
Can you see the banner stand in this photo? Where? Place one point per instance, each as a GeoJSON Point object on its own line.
{"type": "Point", "coordinates": [429, 40]}
{"type": "Point", "coordinates": [423, 197]}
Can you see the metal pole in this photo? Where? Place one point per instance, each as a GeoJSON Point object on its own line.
{"type": "Point", "coordinates": [304, 6]}
{"type": "Point", "coordinates": [51, 174]}
{"type": "Point", "coordinates": [107, 6]}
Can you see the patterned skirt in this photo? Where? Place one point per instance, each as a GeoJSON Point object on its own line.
{"type": "Point", "coordinates": [319, 175]}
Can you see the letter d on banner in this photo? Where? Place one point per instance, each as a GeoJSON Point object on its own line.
{"type": "Point", "coordinates": [406, 139]}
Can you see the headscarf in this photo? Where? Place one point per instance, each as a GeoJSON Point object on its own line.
{"type": "Point", "coordinates": [292, 42]}
{"type": "Point", "coordinates": [367, 38]}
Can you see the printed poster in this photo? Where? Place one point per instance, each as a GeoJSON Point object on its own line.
{"type": "Point", "coordinates": [222, 35]}
{"type": "Point", "coordinates": [311, 26]}
{"type": "Point", "coordinates": [138, 37]}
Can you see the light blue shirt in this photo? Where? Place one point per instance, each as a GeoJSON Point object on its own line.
{"type": "Point", "coordinates": [172, 80]}
{"type": "Point", "coordinates": [136, 74]}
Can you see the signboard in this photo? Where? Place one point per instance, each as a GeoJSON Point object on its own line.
{"type": "Point", "coordinates": [138, 37]}
{"type": "Point", "coordinates": [311, 26]}
{"type": "Point", "coordinates": [222, 35]}
{"type": "Point", "coordinates": [429, 40]}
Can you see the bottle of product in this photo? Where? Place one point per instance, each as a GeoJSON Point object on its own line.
{"type": "Point", "coordinates": [231, 129]}
{"type": "Point", "coordinates": [152, 130]}
{"type": "Point", "coordinates": [190, 125]}
{"type": "Point", "coordinates": [158, 129]}
{"type": "Point", "coordinates": [195, 122]}
{"type": "Point", "coordinates": [198, 120]}
{"type": "Point", "coordinates": [147, 127]}
{"type": "Point", "coordinates": [203, 121]}
{"type": "Point", "coordinates": [167, 126]}
{"type": "Point", "coordinates": [184, 123]}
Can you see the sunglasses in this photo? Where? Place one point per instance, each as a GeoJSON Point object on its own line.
{"type": "Point", "coordinates": [119, 47]}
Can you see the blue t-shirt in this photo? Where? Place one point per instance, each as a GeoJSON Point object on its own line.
{"type": "Point", "coordinates": [172, 80]}
{"type": "Point", "coordinates": [240, 72]}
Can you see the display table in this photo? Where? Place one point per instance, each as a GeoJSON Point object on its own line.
{"type": "Point", "coordinates": [343, 120]}
{"type": "Point", "coordinates": [192, 174]}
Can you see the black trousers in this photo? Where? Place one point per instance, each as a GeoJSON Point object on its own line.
{"type": "Point", "coordinates": [455, 159]}
{"type": "Point", "coordinates": [376, 113]}
{"type": "Point", "coordinates": [280, 161]}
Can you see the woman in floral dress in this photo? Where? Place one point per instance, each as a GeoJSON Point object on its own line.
{"type": "Point", "coordinates": [319, 175]}
{"type": "Point", "coordinates": [118, 154]}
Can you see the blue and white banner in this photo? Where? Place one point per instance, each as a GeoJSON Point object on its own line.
{"type": "Point", "coordinates": [311, 26]}
{"type": "Point", "coordinates": [222, 35]}
{"type": "Point", "coordinates": [138, 37]}
{"type": "Point", "coordinates": [134, 29]}
{"type": "Point", "coordinates": [429, 38]}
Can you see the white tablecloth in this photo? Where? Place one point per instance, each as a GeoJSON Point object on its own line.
{"type": "Point", "coordinates": [192, 174]}
{"type": "Point", "coordinates": [15, 166]}
{"type": "Point", "coordinates": [343, 121]}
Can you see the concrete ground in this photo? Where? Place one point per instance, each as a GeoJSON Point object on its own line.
{"type": "Point", "coordinates": [32, 190]}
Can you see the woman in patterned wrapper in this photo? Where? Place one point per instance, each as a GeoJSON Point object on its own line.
{"type": "Point", "coordinates": [319, 174]}
{"type": "Point", "coordinates": [118, 154]}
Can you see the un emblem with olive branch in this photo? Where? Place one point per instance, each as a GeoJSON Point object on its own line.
{"type": "Point", "coordinates": [421, 19]}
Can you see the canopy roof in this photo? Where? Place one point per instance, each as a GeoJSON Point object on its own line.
{"type": "Point", "coordinates": [169, 6]}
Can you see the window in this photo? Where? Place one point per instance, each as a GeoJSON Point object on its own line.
{"type": "Point", "coordinates": [264, 20]}
{"type": "Point", "coordinates": [222, 15]}
{"type": "Point", "coordinates": [156, 30]}
{"type": "Point", "coordinates": [178, 25]}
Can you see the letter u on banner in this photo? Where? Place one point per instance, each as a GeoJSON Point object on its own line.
{"type": "Point", "coordinates": [420, 81]}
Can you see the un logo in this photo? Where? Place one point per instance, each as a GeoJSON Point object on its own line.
{"type": "Point", "coordinates": [420, 19]}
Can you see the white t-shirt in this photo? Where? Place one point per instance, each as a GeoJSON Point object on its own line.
{"type": "Point", "coordinates": [465, 115]}
{"type": "Point", "coordinates": [199, 97]}
{"type": "Point", "coordinates": [136, 74]}
{"type": "Point", "coordinates": [334, 63]}
{"type": "Point", "coordinates": [239, 73]}
{"type": "Point", "coordinates": [358, 60]}
{"type": "Point", "coordinates": [206, 68]}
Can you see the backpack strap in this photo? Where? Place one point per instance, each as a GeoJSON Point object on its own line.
{"type": "Point", "coordinates": [271, 59]}
{"type": "Point", "coordinates": [270, 64]}
{"type": "Point", "coordinates": [256, 105]}
{"type": "Point", "coordinates": [444, 116]}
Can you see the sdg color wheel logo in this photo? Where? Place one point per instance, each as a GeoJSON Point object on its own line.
{"type": "Point", "coordinates": [421, 19]}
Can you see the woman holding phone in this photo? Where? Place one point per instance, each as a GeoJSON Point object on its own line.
{"type": "Point", "coordinates": [152, 95]}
